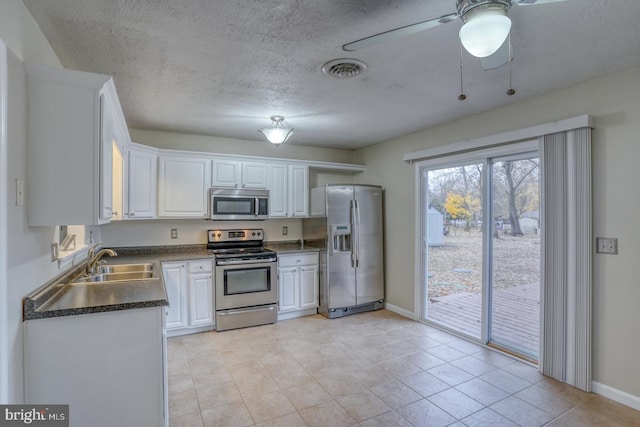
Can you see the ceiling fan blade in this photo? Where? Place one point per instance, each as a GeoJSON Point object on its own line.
{"type": "Point", "coordinates": [503, 55]}
{"type": "Point", "coordinates": [530, 2]}
{"type": "Point", "coordinates": [398, 32]}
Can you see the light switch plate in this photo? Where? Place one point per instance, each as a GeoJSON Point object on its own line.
{"type": "Point", "coordinates": [607, 245]}
{"type": "Point", "coordinates": [174, 233]}
{"type": "Point", "coordinates": [54, 252]}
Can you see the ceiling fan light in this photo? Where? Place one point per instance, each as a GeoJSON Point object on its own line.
{"type": "Point", "coordinates": [484, 32]}
{"type": "Point", "coordinates": [276, 133]}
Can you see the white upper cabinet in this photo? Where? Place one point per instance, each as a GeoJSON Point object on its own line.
{"type": "Point", "coordinates": [278, 180]}
{"type": "Point", "coordinates": [106, 162]}
{"type": "Point", "coordinates": [288, 190]}
{"type": "Point", "coordinates": [75, 127]}
{"type": "Point", "coordinates": [183, 184]}
{"type": "Point", "coordinates": [299, 190]}
{"type": "Point", "coordinates": [254, 175]}
{"type": "Point", "coordinates": [141, 185]}
{"type": "Point", "coordinates": [238, 174]}
{"type": "Point", "coordinates": [226, 173]}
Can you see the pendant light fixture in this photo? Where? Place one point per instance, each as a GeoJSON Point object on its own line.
{"type": "Point", "coordinates": [277, 133]}
{"type": "Point", "coordinates": [485, 29]}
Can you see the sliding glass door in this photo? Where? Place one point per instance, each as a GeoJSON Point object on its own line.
{"type": "Point", "coordinates": [453, 244]}
{"type": "Point", "coordinates": [514, 255]}
{"type": "Point", "coordinates": [481, 247]}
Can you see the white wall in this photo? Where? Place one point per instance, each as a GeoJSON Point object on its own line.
{"type": "Point", "coordinates": [613, 101]}
{"type": "Point", "coordinates": [158, 232]}
{"type": "Point", "coordinates": [27, 258]}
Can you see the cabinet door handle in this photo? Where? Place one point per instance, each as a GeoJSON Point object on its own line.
{"type": "Point", "coordinates": [132, 214]}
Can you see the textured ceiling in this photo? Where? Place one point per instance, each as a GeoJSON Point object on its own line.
{"type": "Point", "coordinates": [222, 68]}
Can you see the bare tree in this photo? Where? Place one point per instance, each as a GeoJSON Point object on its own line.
{"type": "Point", "coordinates": [515, 176]}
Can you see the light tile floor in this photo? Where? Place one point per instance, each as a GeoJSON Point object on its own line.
{"type": "Point", "coordinates": [370, 369]}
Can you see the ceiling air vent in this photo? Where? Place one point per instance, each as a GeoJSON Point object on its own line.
{"type": "Point", "coordinates": [344, 68]}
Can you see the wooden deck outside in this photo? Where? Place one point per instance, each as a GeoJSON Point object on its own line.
{"type": "Point", "coordinates": [516, 314]}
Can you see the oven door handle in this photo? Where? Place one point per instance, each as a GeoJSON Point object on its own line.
{"type": "Point", "coordinates": [248, 262]}
{"type": "Point", "coordinates": [244, 310]}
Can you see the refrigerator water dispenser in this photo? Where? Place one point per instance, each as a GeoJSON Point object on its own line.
{"type": "Point", "coordinates": [341, 237]}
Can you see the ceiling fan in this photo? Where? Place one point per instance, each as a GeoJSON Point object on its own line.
{"type": "Point", "coordinates": [486, 27]}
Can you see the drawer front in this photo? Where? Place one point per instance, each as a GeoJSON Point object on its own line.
{"type": "Point", "coordinates": [293, 260]}
{"type": "Point", "coordinates": [200, 266]}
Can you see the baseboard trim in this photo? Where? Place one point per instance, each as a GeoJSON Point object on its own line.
{"type": "Point", "coordinates": [615, 394]}
{"type": "Point", "coordinates": [295, 314]}
{"type": "Point", "coordinates": [400, 311]}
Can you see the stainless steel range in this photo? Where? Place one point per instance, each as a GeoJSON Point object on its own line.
{"type": "Point", "coordinates": [246, 278]}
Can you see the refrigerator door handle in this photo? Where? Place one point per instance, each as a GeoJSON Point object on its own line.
{"type": "Point", "coordinates": [357, 232]}
{"type": "Point", "coordinates": [354, 242]}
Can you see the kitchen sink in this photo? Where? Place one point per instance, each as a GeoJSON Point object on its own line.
{"type": "Point", "coordinates": [126, 268]}
{"type": "Point", "coordinates": [118, 277]}
{"type": "Point", "coordinates": [120, 273]}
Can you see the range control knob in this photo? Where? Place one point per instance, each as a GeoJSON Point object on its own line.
{"type": "Point", "coordinates": [219, 235]}
{"type": "Point", "coordinates": [258, 233]}
{"type": "Point", "coordinates": [253, 234]}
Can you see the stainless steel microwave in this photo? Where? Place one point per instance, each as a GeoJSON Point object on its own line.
{"type": "Point", "coordinates": [229, 204]}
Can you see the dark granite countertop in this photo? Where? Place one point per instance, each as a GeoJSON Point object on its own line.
{"type": "Point", "coordinates": [290, 246]}
{"type": "Point", "coordinates": [61, 297]}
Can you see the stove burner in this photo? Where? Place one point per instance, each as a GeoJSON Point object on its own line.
{"type": "Point", "coordinates": [238, 244]}
{"type": "Point", "coordinates": [253, 253]}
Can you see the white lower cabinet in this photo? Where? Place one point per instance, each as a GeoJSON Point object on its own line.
{"type": "Point", "coordinates": [175, 282]}
{"type": "Point", "coordinates": [298, 284]}
{"type": "Point", "coordinates": [189, 287]}
{"type": "Point", "coordinates": [108, 367]}
{"type": "Point", "coordinates": [201, 293]}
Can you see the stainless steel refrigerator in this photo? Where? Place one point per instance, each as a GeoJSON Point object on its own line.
{"type": "Point", "coordinates": [349, 230]}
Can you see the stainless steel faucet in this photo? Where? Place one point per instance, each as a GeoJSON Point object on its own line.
{"type": "Point", "coordinates": [93, 259]}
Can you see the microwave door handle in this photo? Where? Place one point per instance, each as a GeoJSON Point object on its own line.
{"type": "Point", "coordinates": [256, 206]}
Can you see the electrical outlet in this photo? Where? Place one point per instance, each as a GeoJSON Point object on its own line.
{"type": "Point", "coordinates": [285, 231]}
{"type": "Point", "coordinates": [174, 233]}
{"type": "Point", "coordinates": [19, 192]}
{"type": "Point", "coordinates": [607, 245]}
